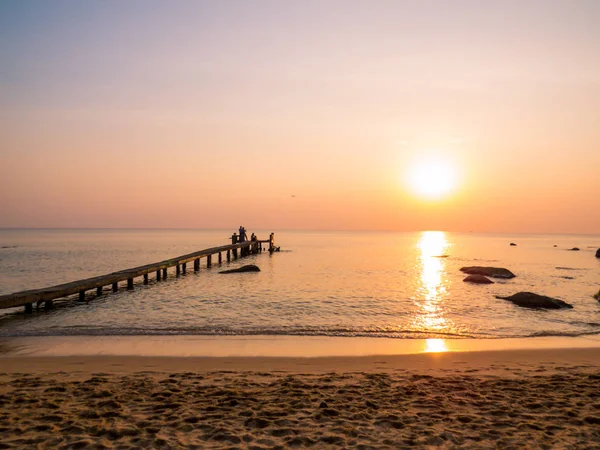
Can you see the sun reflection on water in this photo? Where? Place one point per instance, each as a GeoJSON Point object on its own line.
{"type": "Point", "coordinates": [433, 287]}
{"type": "Point", "coordinates": [435, 346]}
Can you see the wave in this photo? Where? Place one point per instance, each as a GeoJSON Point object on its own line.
{"type": "Point", "coordinates": [299, 332]}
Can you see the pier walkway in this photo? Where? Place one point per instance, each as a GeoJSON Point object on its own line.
{"type": "Point", "coordinates": [80, 287]}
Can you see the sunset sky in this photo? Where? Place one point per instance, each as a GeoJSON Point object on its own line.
{"type": "Point", "coordinates": [300, 114]}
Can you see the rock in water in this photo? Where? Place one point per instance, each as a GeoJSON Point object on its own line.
{"type": "Point", "coordinates": [512, 244]}
{"type": "Point", "coordinates": [531, 300]}
{"type": "Point", "coordinates": [495, 272]}
{"type": "Point", "coordinates": [479, 279]}
{"type": "Point", "coordinates": [248, 268]}
{"type": "Point", "coordinates": [598, 253]}
{"type": "Point", "coordinates": [574, 249]}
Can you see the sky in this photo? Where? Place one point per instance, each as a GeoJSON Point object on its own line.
{"type": "Point", "coordinates": [300, 114]}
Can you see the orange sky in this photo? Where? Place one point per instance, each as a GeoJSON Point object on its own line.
{"type": "Point", "coordinates": [299, 115]}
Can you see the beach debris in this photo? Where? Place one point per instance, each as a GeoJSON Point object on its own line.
{"type": "Point", "coordinates": [478, 279]}
{"type": "Point", "coordinates": [574, 249]}
{"type": "Point", "coordinates": [531, 300]}
{"type": "Point", "coordinates": [512, 244]}
{"type": "Point", "coordinates": [494, 272]}
{"type": "Point", "coordinates": [248, 268]}
{"type": "Point", "coordinates": [598, 253]}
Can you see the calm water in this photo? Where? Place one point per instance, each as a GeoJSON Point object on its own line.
{"type": "Point", "coordinates": [322, 283]}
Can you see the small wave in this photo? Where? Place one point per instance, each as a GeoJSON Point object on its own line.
{"type": "Point", "coordinates": [550, 333]}
{"type": "Point", "coordinates": [339, 332]}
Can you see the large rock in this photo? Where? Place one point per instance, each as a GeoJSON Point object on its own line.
{"type": "Point", "coordinates": [598, 253]}
{"type": "Point", "coordinates": [478, 279]}
{"type": "Point", "coordinates": [495, 272]}
{"type": "Point", "coordinates": [531, 300]}
{"type": "Point", "coordinates": [248, 268]}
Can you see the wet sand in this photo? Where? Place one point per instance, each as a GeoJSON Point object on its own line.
{"type": "Point", "coordinates": [544, 398]}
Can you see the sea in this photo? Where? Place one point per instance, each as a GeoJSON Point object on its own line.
{"type": "Point", "coordinates": [321, 283]}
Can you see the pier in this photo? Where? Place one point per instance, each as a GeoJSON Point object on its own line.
{"type": "Point", "coordinates": [80, 288]}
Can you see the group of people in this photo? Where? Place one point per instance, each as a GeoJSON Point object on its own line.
{"type": "Point", "coordinates": [243, 237]}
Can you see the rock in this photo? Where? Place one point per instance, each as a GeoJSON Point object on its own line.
{"type": "Point", "coordinates": [495, 272]}
{"type": "Point", "coordinates": [248, 268]}
{"type": "Point", "coordinates": [531, 300]}
{"type": "Point", "coordinates": [512, 244]}
{"type": "Point", "coordinates": [574, 249]}
{"type": "Point", "coordinates": [555, 245]}
{"type": "Point", "coordinates": [598, 253]}
{"type": "Point", "coordinates": [479, 279]}
{"type": "Point", "coordinates": [597, 296]}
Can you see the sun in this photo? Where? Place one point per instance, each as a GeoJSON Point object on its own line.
{"type": "Point", "coordinates": [432, 178]}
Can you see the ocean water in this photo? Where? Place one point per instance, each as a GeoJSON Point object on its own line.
{"type": "Point", "coordinates": [395, 285]}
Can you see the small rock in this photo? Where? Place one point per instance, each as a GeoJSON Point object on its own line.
{"type": "Point", "coordinates": [495, 272]}
{"type": "Point", "coordinates": [598, 253]}
{"type": "Point", "coordinates": [512, 244]}
{"type": "Point", "coordinates": [478, 279]}
{"type": "Point", "coordinates": [371, 404]}
{"type": "Point", "coordinates": [531, 300]}
{"type": "Point", "coordinates": [574, 249]}
{"type": "Point", "coordinates": [248, 268]}
{"type": "Point", "coordinates": [323, 405]}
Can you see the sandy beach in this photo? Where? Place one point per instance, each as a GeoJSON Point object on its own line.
{"type": "Point", "coordinates": [545, 398]}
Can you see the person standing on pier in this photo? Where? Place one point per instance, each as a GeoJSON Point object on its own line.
{"type": "Point", "coordinates": [242, 233]}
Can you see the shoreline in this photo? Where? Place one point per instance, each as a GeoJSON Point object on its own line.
{"type": "Point", "coordinates": [270, 346]}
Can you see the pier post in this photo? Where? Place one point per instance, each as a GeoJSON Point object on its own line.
{"type": "Point", "coordinates": [98, 291]}
{"type": "Point", "coordinates": [197, 265]}
{"type": "Point", "coordinates": [145, 278]}
{"type": "Point", "coordinates": [48, 304]}
{"type": "Point", "coordinates": [130, 283]}
{"type": "Point", "coordinates": [158, 275]}
{"type": "Point", "coordinates": [183, 268]}
{"type": "Point", "coordinates": [164, 273]}
{"type": "Point", "coordinates": [29, 308]}
{"type": "Point", "coordinates": [209, 261]}
{"type": "Point", "coordinates": [235, 253]}
{"type": "Point", "coordinates": [178, 270]}
{"type": "Point", "coordinates": [220, 258]}
{"type": "Point", "coordinates": [81, 296]}
{"type": "Point", "coordinates": [115, 287]}
{"type": "Point", "coordinates": [271, 242]}
{"type": "Point", "coordinates": [228, 255]}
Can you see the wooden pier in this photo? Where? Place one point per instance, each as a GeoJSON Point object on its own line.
{"type": "Point", "coordinates": [97, 284]}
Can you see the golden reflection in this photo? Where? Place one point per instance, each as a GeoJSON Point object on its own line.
{"type": "Point", "coordinates": [432, 290]}
{"type": "Point", "coordinates": [435, 346]}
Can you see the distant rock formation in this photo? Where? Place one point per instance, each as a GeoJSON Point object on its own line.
{"type": "Point", "coordinates": [574, 249]}
{"type": "Point", "coordinates": [512, 244]}
{"type": "Point", "coordinates": [495, 272]}
{"type": "Point", "coordinates": [248, 268]}
{"type": "Point", "coordinates": [478, 279]}
{"type": "Point", "coordinates": [531, 300]}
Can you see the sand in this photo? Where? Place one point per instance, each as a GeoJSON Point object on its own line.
{"type": "Point", "coordinates": [494, 399]}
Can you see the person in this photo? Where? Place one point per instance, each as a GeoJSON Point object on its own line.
{"type": "Point", "coordinates": [253, 237]}
{"type": "Point", "coordinates": [245, 238]}
{"type": "Point", "coordinates": [242, 233]}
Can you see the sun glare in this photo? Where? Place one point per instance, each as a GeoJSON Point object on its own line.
{"type": "Point", "coordinates": [432, 179]}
